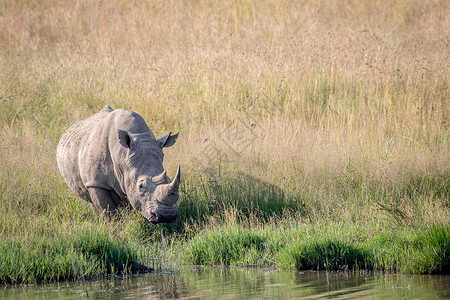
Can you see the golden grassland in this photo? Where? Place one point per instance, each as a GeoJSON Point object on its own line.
{"type": "Point", "coordinates": [342, 106]}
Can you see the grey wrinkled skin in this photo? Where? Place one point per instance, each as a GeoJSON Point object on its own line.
{"type": "Point", "coordinates": [112, 157]}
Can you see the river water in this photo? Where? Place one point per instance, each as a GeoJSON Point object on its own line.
{"type": "Point", "coordinates": [241, 283]}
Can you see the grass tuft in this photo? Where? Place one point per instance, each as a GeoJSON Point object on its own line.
{"type": "Point", "coordinates": [86, 252]}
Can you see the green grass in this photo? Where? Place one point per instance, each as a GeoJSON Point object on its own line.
{"type": "Point", "coordinates": [231, 220]}
{"type": "Point", "coordinates": [87, 251]}
{"type": "Point", "coordinates": [320, 246]}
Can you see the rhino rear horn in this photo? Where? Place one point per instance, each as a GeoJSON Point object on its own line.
{"type": "Point", "coordinates": [160, 177]}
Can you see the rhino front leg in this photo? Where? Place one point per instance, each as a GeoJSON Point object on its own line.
{"type": "Point", "coordinates": [103, 201]}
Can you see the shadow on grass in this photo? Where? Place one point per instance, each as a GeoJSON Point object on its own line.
{"type": "Point", "coordinates": [214, 196]}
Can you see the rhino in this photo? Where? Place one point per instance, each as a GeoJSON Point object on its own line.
{"type": "Point", "coordinates": [112, 158]}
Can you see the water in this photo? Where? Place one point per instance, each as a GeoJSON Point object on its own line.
{"type": "Point", "coordinates": [242, 283]}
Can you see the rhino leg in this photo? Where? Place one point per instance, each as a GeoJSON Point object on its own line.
{"type": "Point", "coordinates": [103, 201]}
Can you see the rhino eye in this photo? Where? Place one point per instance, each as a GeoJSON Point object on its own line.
{"type": "Point", "coordinates": [141, 187]}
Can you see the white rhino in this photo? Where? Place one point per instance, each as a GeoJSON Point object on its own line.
{"type": "Point", "coordinates": [113, 157]}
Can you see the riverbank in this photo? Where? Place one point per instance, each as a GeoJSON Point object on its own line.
{"type": "Point", "coordinates": [291, 246]}
{"type": "Point", "coordinates": [312, 135]}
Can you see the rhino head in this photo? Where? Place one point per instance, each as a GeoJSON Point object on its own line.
{"type": "Point", "coordinates": [144, 180]}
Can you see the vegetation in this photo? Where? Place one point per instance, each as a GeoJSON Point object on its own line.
{"type": "Point", "coordinates": [85, 250]}
{"type": "Point", "coordinates": [312, 134]}
{"type": "Point", "coordinates": [321, 246]}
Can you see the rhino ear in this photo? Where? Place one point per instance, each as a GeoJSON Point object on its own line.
{"type": "Point", "coordinates": [125, 140]}
{"type": "Point", "coordinates": [167, 140]}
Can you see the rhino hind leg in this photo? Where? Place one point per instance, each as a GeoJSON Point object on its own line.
{"type": "Point", "coordinates": [103, 201]}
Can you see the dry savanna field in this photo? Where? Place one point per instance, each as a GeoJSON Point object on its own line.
{"type": "Point", "coordinates": [312, 129]}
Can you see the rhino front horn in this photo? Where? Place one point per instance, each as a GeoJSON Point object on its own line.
{"type": "Point", "coordinates": [176, 182]}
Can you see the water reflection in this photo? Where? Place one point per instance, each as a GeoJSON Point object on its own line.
{"type": "Point", "coordinates": [241, 283]}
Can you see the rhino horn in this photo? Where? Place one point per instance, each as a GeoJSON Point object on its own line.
{"type": "Point", "coordinates": [159, 177]}
{"type": "Point", "coordinates": [169, 195]}
{"type": "Point", "coordinates": [176, 182]}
